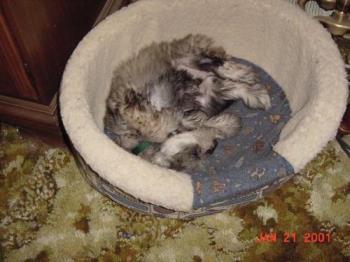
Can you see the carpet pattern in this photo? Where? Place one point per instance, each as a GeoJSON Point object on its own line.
{"type": "Point", "coordinates": [49, 213]}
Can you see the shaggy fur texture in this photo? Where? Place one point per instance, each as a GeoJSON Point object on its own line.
{"type": "Point", "coordinates": [174, 94]}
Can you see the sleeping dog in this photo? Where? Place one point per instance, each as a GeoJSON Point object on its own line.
{"type": "Point", "coordinates": [174, 95]}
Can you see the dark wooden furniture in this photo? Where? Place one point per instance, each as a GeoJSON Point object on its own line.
{"type": "Point", "coordinates": [36, 39]}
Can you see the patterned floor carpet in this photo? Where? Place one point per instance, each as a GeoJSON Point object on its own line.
{"type": "Point", "coordinates": [48, 213]}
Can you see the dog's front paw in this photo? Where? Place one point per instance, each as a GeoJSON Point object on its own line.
{"type": "Point", "coordinates": [237, 72]}
{"type": "Point", "coordinates": [206, 151]}
{"type": "Point", "coordinates": [161, 160]}
{"type": "Point", "coordinates": [258, 97]}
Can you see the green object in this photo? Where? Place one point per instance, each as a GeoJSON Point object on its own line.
{"type": "Point", "coordinates": [141, 147]}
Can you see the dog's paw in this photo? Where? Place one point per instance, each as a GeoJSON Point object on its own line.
{"type": "Point", "coordinates": [208, 151]}
{"type": "Point", "coordinates": [237, 72]}
{"type": "Point", "coordinates": [161, 160]}
{"type": "Point", "coordinates": [258, 97]}
{"type": "Point", "coordinates": [204, 149]}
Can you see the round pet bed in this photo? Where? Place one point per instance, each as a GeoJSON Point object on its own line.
{"type": "Point", "coordinates": [294, 56]}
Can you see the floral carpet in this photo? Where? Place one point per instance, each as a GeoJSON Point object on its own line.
{"type": "Point", "coordinates": [49, 213]}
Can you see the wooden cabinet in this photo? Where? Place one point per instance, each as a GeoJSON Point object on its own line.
{"type": "Point", "coordinates": [36, 39]}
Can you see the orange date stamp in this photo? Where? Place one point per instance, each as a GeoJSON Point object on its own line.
{"type": "Point", "coordinates": [293, 237]}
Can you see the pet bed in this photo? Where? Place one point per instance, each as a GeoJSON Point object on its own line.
{"type": "Point", "coordinates": [295, 57]}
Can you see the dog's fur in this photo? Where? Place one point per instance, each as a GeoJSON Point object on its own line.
{"type": "Point", "coordinates": [174, 95]}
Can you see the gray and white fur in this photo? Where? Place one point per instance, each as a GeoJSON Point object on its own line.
{"type": "Point", "coordinates": [174, 94]}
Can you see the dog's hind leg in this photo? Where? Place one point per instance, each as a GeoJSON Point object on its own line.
{"type": "Point", "coordinates": [225, 125]}
{"type": "Point", "coordinates": [237, 72]}
{"type": "Point", "coordinates": [254, 96]}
